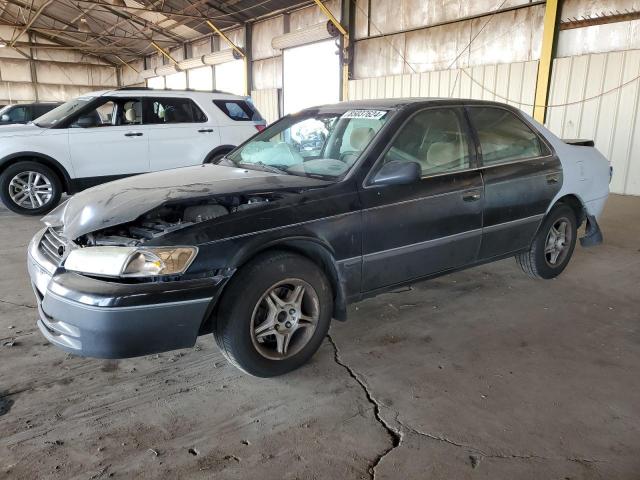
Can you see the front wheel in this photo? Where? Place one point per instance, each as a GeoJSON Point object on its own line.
{"type": "Point", "coordinates": [553, 245]}
{"type": "Point", "coordinates": [30, 188]}
{"type": "Point", "coordinates": [274, 314]}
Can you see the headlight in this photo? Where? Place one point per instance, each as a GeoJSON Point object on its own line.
{"type": "Point", "coordinates": [131, 261]}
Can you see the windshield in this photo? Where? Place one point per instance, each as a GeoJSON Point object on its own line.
{"type": "Point", "coordinates": [5, 109]}
{"type": "Point", "coordinates": [62, 112]}
{"type": "Point", "coordinates": [324, 145]}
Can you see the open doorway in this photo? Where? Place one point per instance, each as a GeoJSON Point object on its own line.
{"type": "Point", "coordinates": [311, 75]}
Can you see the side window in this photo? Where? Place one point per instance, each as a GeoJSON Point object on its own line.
{"type": "Point", "coordinates": [18, 114]}
{"type": "Point", "coordinates": [174, 110]}
{"type": "Point", "coordinates": [503, 136]}
{"type": "Point", "coordinates": [238, 110]}
{"type": "Point", "coordinates": [98, 117]}
{"type": "Point", "coordinates": [129, 112]}
{"type": "Point", "coordinates": [434, 138]}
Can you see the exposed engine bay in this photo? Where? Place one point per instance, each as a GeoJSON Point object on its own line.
{"type": "Point", "coordinates": [169, 218]}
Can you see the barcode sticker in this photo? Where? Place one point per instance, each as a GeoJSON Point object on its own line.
{"type": "Point", "coordinates": [365, 114]}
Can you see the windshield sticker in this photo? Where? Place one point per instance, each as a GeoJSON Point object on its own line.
{"type": "Point", "coordinates": [365, 114]}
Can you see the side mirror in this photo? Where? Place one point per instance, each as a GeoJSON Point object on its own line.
{"type": "Point", "coordinates": [4, 118]}
{"type": "Point", "coordinates": [398, 173]}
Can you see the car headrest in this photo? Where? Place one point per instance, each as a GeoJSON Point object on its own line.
{"type": "Point", "coordinates": [360, 137]}
{"type": "Point", "coordinates": [442, 153]}
{"type": "Point", "coordinates": [130, 115]}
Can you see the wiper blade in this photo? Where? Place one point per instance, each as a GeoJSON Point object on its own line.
{"type": "Point", "coordinates": [264, 167]}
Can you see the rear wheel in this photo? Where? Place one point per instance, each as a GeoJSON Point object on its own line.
{"type": "Point", "coordinates": [553, 245]}
{"type": "Point", "coordinates": [30, 188]}
{"type": "Point", "coordinates": [274, 314]}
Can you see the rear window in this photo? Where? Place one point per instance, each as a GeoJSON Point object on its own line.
{"type": "Point", "coordinates": [239, 110]}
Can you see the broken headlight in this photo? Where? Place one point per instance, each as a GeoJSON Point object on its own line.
{"type": "Point", "coordinates": [110, 261]}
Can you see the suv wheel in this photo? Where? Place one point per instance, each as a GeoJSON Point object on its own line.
{"type": "Point", "coordinates": [553, 245]}
{"type": "Point", "coordinates": [274, 314]}
{"type": "Point", "coordinates": [30, 188]}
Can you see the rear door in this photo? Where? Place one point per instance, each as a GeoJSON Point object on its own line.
{"type": "Point", "coordinates": [180, 133]}
{"type": "Point", "coordinates": [412, 231]}
{"type": "Point", "coordinates": [521, 178]}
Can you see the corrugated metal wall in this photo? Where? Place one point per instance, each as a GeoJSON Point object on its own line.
{"type": "Point", "coordinates": [268, 103]}
{"type": "Point", "coordinates": [513, 83]}
{"type": "Point", "coordinates": [611, 119]}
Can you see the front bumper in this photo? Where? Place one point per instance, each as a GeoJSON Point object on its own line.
{"type": "Point", "coordinates": [97, 318]}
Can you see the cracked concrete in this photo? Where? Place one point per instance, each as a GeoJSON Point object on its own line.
{"type": "Point", "coordinates": [394, 434]}
{"type": "Point", "coordinates": [483, 374]}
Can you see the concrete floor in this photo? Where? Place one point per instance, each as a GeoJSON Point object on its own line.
{"type": "Point", "coordinates": [483, 374]}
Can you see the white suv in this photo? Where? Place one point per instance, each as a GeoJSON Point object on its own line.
{"type": "Point", "coordinates": [107, 135]}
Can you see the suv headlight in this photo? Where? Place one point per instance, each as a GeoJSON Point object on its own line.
{"type": "Point", "coordinates": [130, 261]}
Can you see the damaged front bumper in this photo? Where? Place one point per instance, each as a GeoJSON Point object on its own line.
{"type": "Point", "coordinates": [105, 319]}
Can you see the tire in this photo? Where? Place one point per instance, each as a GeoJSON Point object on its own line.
{"type": "Point", "coordinates": [541, 261]}
{"type": "Point", "coordinates": [215, 157]}
{"type": "Point", "coordinates": [17, 176]}
{"type": "Point", "coordinates": [245, 308]}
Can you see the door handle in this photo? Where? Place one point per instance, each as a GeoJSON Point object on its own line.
{"type": "Point", "coordinates": [553, 178]}
{"type": "Point", "coordinates": [205, 130]}
{"type": "Point", "coordinates": [472, 196]}
{"type": "Point", "coordinates": [133, 134]}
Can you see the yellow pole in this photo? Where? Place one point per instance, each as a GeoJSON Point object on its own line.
{"type": "Point", "coordinates": [546, 59]}
{"type": "Point", "coordinates": [164, 52]}
{"type": "Point", "coordinates": [345, 43]}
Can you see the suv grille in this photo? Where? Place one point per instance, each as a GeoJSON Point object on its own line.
{"type": "Point", "coordinates": [53, 246]}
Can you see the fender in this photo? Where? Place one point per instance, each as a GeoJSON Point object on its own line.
{"type": "Point", "coordinates": [45, 160]}
{"type": "Point", "coordinates": [218, 150]}
{"type": "Point", "coordinates": [313, 248]}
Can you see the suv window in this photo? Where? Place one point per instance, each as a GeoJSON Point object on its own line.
{"type": "Point", "coordinates": [239, 110]}
{"type": "Point", "coordinates": [503, 136]}
{"type": "Point", "coordinates": [111, 112]}
{"type": "Point", "coordinates": [17, 114]}
{"type": "Point", "coordinates": [434, 138]}
{"type": "Point", "coordinates": [173, 110]}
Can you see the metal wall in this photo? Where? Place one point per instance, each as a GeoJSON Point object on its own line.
{"type": "Point", "coordinates": [513, 83]}
{"type": "Point", "coordinates": [52, 75]}
{"type": "Point", "coordinates": [600, 108]}
{"type": "Point", "coordinates": [268, 103]}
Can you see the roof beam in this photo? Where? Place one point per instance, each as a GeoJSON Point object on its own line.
{"type": "Point", "coordinates": [33, 19]}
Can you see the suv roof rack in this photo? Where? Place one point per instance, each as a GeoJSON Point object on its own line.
{"type": "Point", "coordinates": [133, 88]}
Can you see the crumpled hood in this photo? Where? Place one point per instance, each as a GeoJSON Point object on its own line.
{"type": "Point", "coordinates": [125, 200]}
{"type": "Point", "coordinates": [19, 130]}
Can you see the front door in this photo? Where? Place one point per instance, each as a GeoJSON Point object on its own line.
{"type": "Point", "coordinates": [180, 134]}
{"type": "Point", "coordinates": [521, 178]}
{"type": "Point", "coordinates": [109, 141]}
{"type": "Point", "coordinates": [412, 231]}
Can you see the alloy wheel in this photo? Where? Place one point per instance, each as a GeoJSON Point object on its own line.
{"type": "Point", "coordinates": [30, 190]}
{"type": "Point", "coordinates": [558, 242]}
{"type": "Point", "coordinates": [284, 319]}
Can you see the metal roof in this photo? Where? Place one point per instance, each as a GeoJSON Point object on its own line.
{"type": "Point", "coordinates": [121, 30]}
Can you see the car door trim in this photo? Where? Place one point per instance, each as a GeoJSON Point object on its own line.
{"type": "Point", "coordinates": [413, 247]}
{"type": "Point", "coordinates": [512, 223]}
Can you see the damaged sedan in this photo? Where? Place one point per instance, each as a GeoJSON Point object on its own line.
{"type": "Point", "coordinates": [323, 208]}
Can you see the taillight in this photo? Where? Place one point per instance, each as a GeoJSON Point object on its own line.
{"type": "Point", "coordinates": [260, 127]}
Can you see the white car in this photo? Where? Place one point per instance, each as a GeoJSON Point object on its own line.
{"type": "Point", "coordinates": [106, 135]}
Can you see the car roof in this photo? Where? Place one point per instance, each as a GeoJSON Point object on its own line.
{"type": "Point", "coordinates": [150, 92]}
{"type": "Point", "coordinates": [400, 103]}
{"type": "Point", "coordinates": [32, 103]}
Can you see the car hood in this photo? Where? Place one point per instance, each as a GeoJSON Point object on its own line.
{"type": "Point", "coordinates": [125, 200]}
{"type": "Point", "coordinates": [19, 129]}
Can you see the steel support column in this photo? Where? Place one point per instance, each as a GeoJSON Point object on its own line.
{"type": "Point", "coordinates": [345, 57]}
{"type": "Point", "coordinates": [549, 39]}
